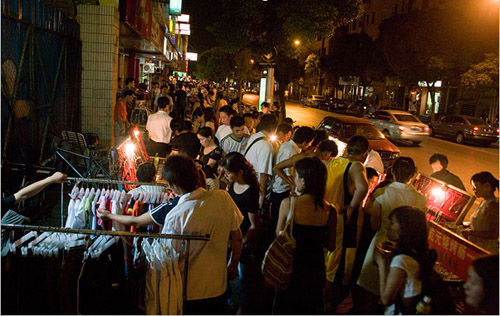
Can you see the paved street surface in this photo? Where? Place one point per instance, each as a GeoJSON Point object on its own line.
{"type": "Point", "coordinates": [464, 160]}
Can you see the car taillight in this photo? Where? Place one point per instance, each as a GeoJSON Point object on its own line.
{"type": "Point", "coordinates": [497, 131]}
{"type": "Point", "coordinates": [427, 128]}
{"type": "Point", "coordinates": [475, 130]}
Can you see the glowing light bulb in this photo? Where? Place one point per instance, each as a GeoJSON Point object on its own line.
{"type": "Point", "coordinates": [438, 193]}
{"type": "Point", "coordinates": [129, 149]}
{"type": "Point", "coordinates": [273, 138]}
{"type": "Point", "coordinates": [136, 133]}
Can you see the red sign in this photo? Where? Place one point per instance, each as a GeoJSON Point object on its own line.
{"type": "Point", "coordinates": [139, 14]}
{"type": "Point", "coordinates": [443, 200]}
{"type": "Point", "coordinates": [454, 252]}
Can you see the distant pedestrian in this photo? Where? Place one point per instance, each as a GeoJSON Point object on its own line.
{"type": "Point", "coordinates": [158, 127]}
{"type": "Point", "coordinates": [120, 116]}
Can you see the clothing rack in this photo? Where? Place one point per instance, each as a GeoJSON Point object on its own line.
{"type": "Point", "coordinates": [103, 181]}
{"type": "Point", "coordinates": [185, 238]}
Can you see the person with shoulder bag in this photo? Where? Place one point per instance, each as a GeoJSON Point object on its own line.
{"type": "Point", "coordinates": [294, 263]}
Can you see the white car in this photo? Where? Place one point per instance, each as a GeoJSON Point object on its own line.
{"type": "Point", "coordinates": [314, 100]}
{"type": "Point", "coordinates": [400, 125]}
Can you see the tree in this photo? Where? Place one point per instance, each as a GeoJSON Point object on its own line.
{"type": "Point", "coordinates": [265, 27]}
{"type": "Point", "coordinates": [481, 76]}
{"type": "Point", "coordinates": [214, 64]}
{"type": "Point", "coordinates": [357, 55]}
{"type": "Point", "coordinates": [438, 43]}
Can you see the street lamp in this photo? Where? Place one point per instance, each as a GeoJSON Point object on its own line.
{"type": "Point", "coordinates": [297, 42]}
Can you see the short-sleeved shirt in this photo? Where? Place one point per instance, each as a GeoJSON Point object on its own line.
{"type": "Point", "coordinates": [247, 202]}
{"type": "Point", "coordinates": [260, 155]}
{"type": "Point", "coordinates": [229, 144]}
{"type": "Point", "coordinates": [210, 212]}
{"type": "Point", "coordinates": [216, 154]}
{"type": "Point", "coordinates": [374, 161]}
{"type": "Point", "coordinates": [222, 132]}
{"type": "Point", "coordinates": [412, 285]}
{"type": "Point", "coordinates": [158, 127]}
{"type": "Point", "coordinates": [286, 150]}
{"type": "Point", "coordinates": [159, 213]}
{"type": "Point", "coordinates": [186, 143]}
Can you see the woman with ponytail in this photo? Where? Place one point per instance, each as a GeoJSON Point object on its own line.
{"type": "Point", "coordinates": [314, 227]}
{"type": "Point", "coordinates": [243, 188]}
{"type": "Point", "coordinates": [484, 222]}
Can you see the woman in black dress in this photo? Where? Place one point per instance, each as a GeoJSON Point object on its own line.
{"type": "Point", "coordinates": [314, 227]}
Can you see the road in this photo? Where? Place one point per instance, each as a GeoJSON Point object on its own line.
{"type": "Point", "coordinates": [464, 160]}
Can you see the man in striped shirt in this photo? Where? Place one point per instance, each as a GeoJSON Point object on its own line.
{"type": "Point", "coordinates": [237, 140]}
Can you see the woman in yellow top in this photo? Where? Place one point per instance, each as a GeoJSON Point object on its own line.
{"type": "Point", "coordinates": [484, 222]}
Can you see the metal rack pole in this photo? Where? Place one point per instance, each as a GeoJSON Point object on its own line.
{"type": "Point", "coordinates": [186, 267]}
{"type": "Point", "coordinates": [62, 204]}
{"type": "Point", "coordinates": [114, 181]}
{"type": "Point", "coordinates": [105, 232]}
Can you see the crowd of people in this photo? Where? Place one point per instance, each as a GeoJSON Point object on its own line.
{"type": "Point", "coordinates": [240, 175]}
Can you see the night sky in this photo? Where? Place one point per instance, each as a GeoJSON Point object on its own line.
{"type": "Point", "coordinates": [202, 14]}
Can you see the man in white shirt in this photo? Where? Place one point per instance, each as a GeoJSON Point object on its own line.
{"type": "Point", "coordinates": [203, 212]}
{"type": "Point", "coordinates": [374, 161]}
{"type": "Point", "coordinates": [302, 138]}
{"type": "Point", "coordinates": [237, 140]}
{"type": "Point", "coordinates": [259, 153]}
{"type": "Point", "coordinates": [158, 127]}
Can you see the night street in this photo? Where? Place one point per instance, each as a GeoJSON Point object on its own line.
{"type": "Point", "coordinates": [257, 157]}
{"type": "Point", "coordinates": [464, 160]}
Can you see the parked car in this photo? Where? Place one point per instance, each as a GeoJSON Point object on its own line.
{"type": "Point", "coordinates": [400, 125]}
{"type": "Point", "coordinates": [340, 128]}
{"type": "Point", "coordinates": [335, 105]}
{"type": "Point", "coordinates": [315, 101]}
{"type": "Point", "coordinates": [357, 108]}
{"type": "Point", "coordinates": [464, 128]}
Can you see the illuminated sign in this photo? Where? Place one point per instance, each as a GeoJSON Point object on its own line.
{"type": "Point", "coordinates": [179, 73]}
{"type": "Point", "coordinates": [184, 18]}
{"type": "Point", "coordinates": [262, 94]}
{"type": "Point", "coordinates": [175, 7]}
{"type": "Point", "coordinates": [437, 84]}
{"type": "Point", "coordinates": [192, 56]}
{"type": "Point", "coordinates": [183, 29]}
